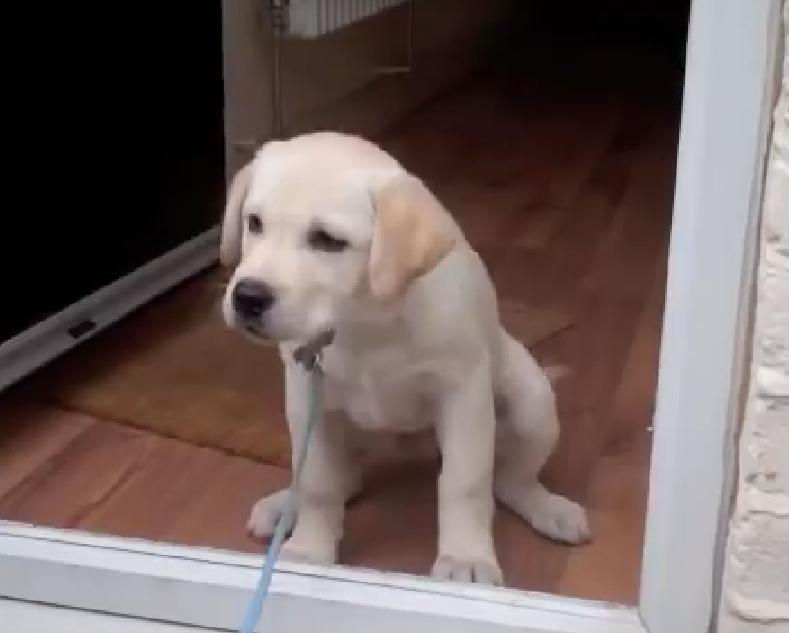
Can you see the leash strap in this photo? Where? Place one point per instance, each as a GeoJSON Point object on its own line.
{"type": "Point", "coordinates": [286, 519]}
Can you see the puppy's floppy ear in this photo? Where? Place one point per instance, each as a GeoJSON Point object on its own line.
{"type": "Point", "coordinates": [412, 234]}
{"type": "Point", "coordinates": [230, 245]}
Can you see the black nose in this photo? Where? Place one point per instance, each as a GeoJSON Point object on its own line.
{"type": "Point", "coordinates": [252, 298]}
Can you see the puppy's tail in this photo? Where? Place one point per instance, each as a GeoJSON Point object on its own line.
{"type": "Point", "coordinates": [556, 372]}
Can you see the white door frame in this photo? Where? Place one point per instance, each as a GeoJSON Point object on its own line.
{"type": "Point", "coordinates": [728, 104]}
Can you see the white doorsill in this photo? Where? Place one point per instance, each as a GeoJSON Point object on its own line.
{"type": "Point", "coordinates": [29, 617]}
{"type": "Point", "coordinates": [153, 582]}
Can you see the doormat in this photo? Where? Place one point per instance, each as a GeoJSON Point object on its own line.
{"type": "Point", "coordinates": [173, 368]}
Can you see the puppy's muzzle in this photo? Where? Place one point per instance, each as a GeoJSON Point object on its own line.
{"type": "Point", "coordinates": [252, 299]}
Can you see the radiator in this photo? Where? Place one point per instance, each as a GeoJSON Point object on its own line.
{"type": "Point", "coordinates": [313, 18]}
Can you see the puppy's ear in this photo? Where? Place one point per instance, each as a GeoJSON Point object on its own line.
{"type": "Point", "coordinates": [230, 245]}
{"type": "Point", "coordinates": [412, 234]}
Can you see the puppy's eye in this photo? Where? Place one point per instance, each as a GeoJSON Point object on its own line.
{"type": "Point", "coordinates": [254, 223]}
{"type": "Point", "coordinates": [320, 240]}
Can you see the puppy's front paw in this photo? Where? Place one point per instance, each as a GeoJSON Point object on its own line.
{"type": "Point", "coordinates": [311, 551]}
{"type": "Point", "coordinates": [266, 512]}
{"type": "Point", "coordinates": [485, 572]}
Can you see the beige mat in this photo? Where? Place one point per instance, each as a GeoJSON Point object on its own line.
{"type": "Point", "coordinates": [173, 368]}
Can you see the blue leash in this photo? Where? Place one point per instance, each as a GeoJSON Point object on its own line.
{"type": "Point", "coordinates": [255, 607]}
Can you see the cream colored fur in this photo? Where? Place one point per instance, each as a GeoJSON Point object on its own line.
{"type": "Point", "coordinates": [418, 344]}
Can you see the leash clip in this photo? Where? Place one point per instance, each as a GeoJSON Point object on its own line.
{"type": "Point", "coordinates": [310, 354]}
{"type": "Point", "coordinates": [310, 362]}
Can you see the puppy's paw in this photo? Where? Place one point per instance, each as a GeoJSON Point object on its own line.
{"type": "Point", "coordinates": [266, 512]}
{"type": "Point", "coordinates": [561, 519]}
{"type": "Point", "coordinates": [486, 572]}
{"type": "Point", "coordinates": [550, 514]}
{"type": "Point", "coordinates": [311, 551]}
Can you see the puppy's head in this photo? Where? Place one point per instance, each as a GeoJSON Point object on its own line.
{"type": "Point", "coordinates": [319, 225]}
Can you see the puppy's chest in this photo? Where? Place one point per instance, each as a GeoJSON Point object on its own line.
{"type": "Point", "coordinates": [384, 391]}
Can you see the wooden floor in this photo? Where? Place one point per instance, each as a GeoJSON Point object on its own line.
{"type": "Point", "coordinates": [566, 193]}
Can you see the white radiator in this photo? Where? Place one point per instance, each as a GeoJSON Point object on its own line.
{"type": "Point", "coordinates": [313, 18]}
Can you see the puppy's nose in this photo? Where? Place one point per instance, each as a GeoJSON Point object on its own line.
{"type": "Point", "coordinates": [252, 298]}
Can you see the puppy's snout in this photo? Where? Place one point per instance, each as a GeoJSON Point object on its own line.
{"type": "Point", "coordinates": [251, 299]}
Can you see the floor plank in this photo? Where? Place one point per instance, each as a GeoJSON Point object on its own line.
{"type": "Point", "coordinates": [609, 568]}
{"type": "Point", "coordinates": [80, 478]}
{"type": "Point", "coordinates": [188, 495]}
{"type": "Point", "coordinates": [32, 436]}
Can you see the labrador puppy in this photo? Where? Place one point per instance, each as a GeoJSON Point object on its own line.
{"type": "Point", "coordinates": [329, 234]}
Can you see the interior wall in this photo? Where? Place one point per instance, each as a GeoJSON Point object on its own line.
{"type": "Point", "coordinates": [756, 579]}
{"type": "Point", "coordinates": [329, 82]}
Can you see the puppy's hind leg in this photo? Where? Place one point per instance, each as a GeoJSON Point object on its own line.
{"type": "Point", "coordinates": [527, 435]}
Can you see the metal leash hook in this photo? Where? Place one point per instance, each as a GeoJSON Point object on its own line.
{"type": "Point", "coordinates": [309, 356]}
